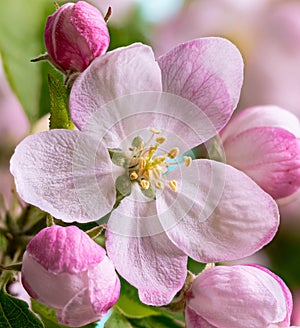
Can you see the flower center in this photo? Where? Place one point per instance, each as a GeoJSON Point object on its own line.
{"type": "Point", "coordinates": [147, 166]}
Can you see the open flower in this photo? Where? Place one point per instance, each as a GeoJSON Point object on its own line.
{"type": "Point", "coordinates": [238, 296]}
{"type": "Point", "coordinates": [134, 116]}
{"type": "Point", "coordinates": [263, 142]}
{"type": "Point", "coordinates": [63, 268]}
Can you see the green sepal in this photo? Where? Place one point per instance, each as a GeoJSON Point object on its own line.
{"type": "Point", "coordinates": [123, 185]}
{"type": "Point", "coordinates": [137, 142]}
{"type": "Point", "coordinates": [59, 113]}
{"type": "Point", "coordinates": [150, 192]}
{"type": "Point", "coordinates": [15, 313]}
{"type": "Point", "coordinates": [15, 266]}
{"type": "Point", "coordinates": [95, 232]}
{"type": "Point", "coordinates": [118, 157]}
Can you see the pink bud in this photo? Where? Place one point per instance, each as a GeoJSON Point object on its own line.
{"type": "Point", "coordinates": [75, 35]}
{"type": "Point", "coordinates": [238, 296]}
{"type": "Point", "coordinates": [64, 269]}
{"type": "Point", "coordinates": [263, 142]}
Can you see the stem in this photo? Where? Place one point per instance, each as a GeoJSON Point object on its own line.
{"type": "Point", "coordinates": [108, 14]}
{"type": "Point", "coordinates": [49, 220]}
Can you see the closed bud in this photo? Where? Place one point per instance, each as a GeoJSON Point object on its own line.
{"type": "Point", "coordinates": [75, 35]}
{"type": "Point", "coordinates": [65, 269]}
{"type": "Point", "coordinates": [263, 142]}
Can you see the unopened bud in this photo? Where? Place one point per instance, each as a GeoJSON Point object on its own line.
{"type": "Point", "coordinates": [75, 35]}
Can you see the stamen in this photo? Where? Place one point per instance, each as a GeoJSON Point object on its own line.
{"type": "Point", "coordinates": [187, 161]}
{"type": "Point", "coordinates": [145, 184]}
{"type": "Point", "coordinates": [159, 185]}
{"type": "Point", "coordinates": [146, 175]}
{"type": "Point", "coordinates": [142, 164]}
{"type": "Point", "coordinates": [155, 131]}
{"type": "Point", "coordinates": [133, 175]}
{"type": "Point", "coordinates": [173, 185]}
{"type": "Point", "coordinates": [157, 173]}
{"type": "Point", "coordinates": [160, 140]}
{"type": "Point", "coordinates": [174, 152]}
{"type": "Point", "coordinates": [159, 159]}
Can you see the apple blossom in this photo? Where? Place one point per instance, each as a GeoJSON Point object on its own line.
{"type": "Point", "coordinates": [75, 35]}
{"type": "Point", "coordinates": [134, 115]}
{"type": "Point", "coordinates": [263, 142]}
{"type": "Point", "coordinates": [236, 297]}
{"type": "Point", "coordinates": [63, 268]}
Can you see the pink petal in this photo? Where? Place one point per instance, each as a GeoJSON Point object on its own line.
{"type": "Point", "coordinates": [104, 286]}
{"type": "Point", "coordinates": [285, 290]}
{"type": "Point", "coordinates": [218, 213]}
{"type": "Point", "coordinates": [143, 254]}
{"type": "Point", "coordinates": [65, 173]}
{"type": "Point", "coordinates": [54, 290]}
{"type": "Point", "coordinates": [238, 296]}
{"type": "Point", "coordinates": [78, 311]}
{"type": "Point", "coordinates": [119, 121]}
{"type": "Point", "coordinates": [270, 156]}
{"type": "Point", "coordinates": [208, 72]}
{"type": "Point", "coordinates": [193, 320]}
{"type": "Point", "coordinates": [260, 116]}
{"type": "Point", "coordinates": [120, 72]}
{"type": "Point", "coordinates": [72, 250]}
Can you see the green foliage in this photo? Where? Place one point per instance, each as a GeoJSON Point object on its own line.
{"type": "Point", "coordinates": [21, 39]}
{"type": "Point", "coordinates": [60, 116]}
{"type": "Point", "coordinates": [117, 320]}
{"type": "Point", "coordinates": [134, 29]}
{"type": "Point", "coordinates": [15, 313]}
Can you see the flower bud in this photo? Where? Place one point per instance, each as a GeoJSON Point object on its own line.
{"type": "Point", "coordinates": [65, 269]}
{"type": "Point", "coordinates": [75, 35]}
{"type": "Point", "coordinates": [263, 142]}
{"type": "Point", "coordinates": [238, 296]}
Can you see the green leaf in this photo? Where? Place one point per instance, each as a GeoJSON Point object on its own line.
{"type": "Point", "coordinates": [60, 116]}
{"type": "Point", "coordinates": [48, 316]}
{"type": "Point", "coordinates": [134, 309]}
{"type": "Point", "coordinates": [117, 320]}
{"type": "Point", "coordinates": [21, 39]}
{"type": "Point", "coordinates": [158, 321]}
{"type": "Point", "coordinates": [15, 313]}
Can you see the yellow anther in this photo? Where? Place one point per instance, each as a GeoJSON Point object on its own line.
{"type": "Point", "coordinates": [155, 131]}
{"type": "Point", "coordinates": [174, 152]}
{"type": "Point", "coordinates": [159, 159]}
{"type": "Point", "coordinates": [157, 173]}
{"type": "Point", "coordinates": [159, 185]}
{"type": "Point", "coordinates": [145, 184]}
{"type": "Point", "coordinates": [173, 185]}
{"type": "Point", "coordinates": [133, 175]}
{"type": "Point", "coordinates": [187, 161]}
{"type": "Point", "coordinates": [160, 140]}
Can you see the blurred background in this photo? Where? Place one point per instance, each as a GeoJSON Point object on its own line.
{"type": "Point", "coordinates": [267, 32]}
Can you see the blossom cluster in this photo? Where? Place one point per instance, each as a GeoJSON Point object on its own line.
{"type": "Point", "coordinates": [141, 122]}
